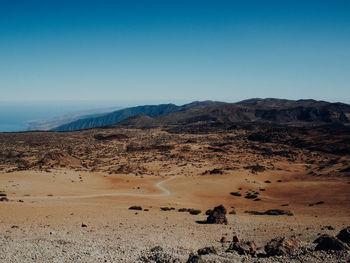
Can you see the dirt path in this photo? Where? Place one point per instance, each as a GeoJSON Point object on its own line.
{"type": "Point", "coordinates": [159, 185]}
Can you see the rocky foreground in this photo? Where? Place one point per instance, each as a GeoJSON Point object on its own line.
{"type": "Point", "coordinates": [168, 242]}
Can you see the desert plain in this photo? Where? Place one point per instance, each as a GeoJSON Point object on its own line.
{"type": "Point", "coordinates": [66, 196]}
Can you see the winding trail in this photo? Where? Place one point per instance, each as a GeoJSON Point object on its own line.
{"type": "Point", "coordinates": [159, 185]}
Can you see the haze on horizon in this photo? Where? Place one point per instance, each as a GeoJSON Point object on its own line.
{"type": "Point", "coordinates": [174, 51]}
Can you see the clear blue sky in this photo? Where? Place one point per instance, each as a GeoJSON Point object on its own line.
{"type": "Point", "coordinates": [174, 50]}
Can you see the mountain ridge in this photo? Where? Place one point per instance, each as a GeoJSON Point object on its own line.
{"type": "Point", "coordinates": [307, 111]}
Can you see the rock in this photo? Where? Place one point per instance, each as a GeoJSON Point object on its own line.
{"type": "Point", "coordinates": [242, 247]}
{"type": "Point", "coordinates": [208, 212]}
{"type": "Point", "coordinates": [319, 203]}
{"type": "Point", "coordinates": [206, 251]}
{"type": "Point", "coordinates": [329, 227]}
{"type": "Point", "coordinates": [83, 225]}
{"type": "Point", "coordinates": [235, 194]}
{"type": "Point", "coordinates": [194, 259]}
{"type": "Point", "coordinates": [223, 240]}
{"type": "Point", "coordinates": [156, 249]}
{"type": "Point", "coordinates": [344, 235]}
{"type": "Point", "coordinates": [217, 216]}
{"type": "Point", "coordinates": [232, 212]}
{"type": "Point", "coordinates": [251, 196]}
{"type": "Point", "coordinates": [276, 212]}
{"type": "Point", "coordinates": [157, 255]}
{"type": "Point", "coordinates": [167, 208]}
{"type": "Point", "coordinates": [271, 212]}
{"type": "Point", "coordinates": [135, 207]}
{"type": "Point", "coordinates": [216, 171]}
{"type": "Point", "coordinates": [281, 246]}
{"type": "Point", "coordinates": [326, 242]}
{"type": "Point", "coordinates": [4, 199]}
{"type": "Point", "coordinates": [194, 211]}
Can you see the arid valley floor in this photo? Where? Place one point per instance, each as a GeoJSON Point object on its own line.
{"type": "Point", "coordinates": [66, 195]}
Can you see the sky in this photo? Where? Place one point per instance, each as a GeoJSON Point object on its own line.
{"type": "Point", "coordinates": [173, 50]}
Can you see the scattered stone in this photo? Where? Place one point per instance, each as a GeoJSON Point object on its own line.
{"type": "Point", "coordinates": [235, 194]}
{"type": "Point", "coordinates": [217, 216]}
{"type": "Point", "coordinates": [232, 212]}
{"type": "Point", "coordinates": [267, 182]}
{"type": "Point", "coordinates": [194, 211]}
{"type": "Point", "coordinates": [242, 247]}
{"type": "Point", "coordinates": [102, 137]}
{"type": "Point", "coordinates": [156, 249]}
{"type": "Point", "coordinates": [271, 212]}
{"type": "Point", "coordinates": [135, 207]}
{"type": "Point", "coordinates": [326, 242]}
{"type": "Point", "coordinates": [276, 212]}
{"type": "Point", "coordinates": [206, 251]}
{"type": "Point", "coordinates": [281, 246]}
{"type": "Point", "coordinates": [251, 196]}
{"type": "Point", "coordinates": [167, 208]}
{"type": "Point", "coordinates": [319, 203]}
{"type": "Point", "coordinates": [83, 225]}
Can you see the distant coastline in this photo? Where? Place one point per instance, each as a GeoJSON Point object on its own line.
{"type": "Point", "coordinates": [15, 116]}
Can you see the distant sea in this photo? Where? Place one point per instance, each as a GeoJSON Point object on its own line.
{"type": "Point", "coordinates": [14, 115]}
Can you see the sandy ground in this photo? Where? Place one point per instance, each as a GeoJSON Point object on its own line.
{"type": "Point", "coordinates": [47, 225]}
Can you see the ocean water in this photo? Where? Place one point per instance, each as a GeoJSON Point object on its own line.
{"type": "Point", "coordinates": [14, 115]}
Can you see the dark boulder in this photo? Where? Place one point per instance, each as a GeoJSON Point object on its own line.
{"type": "Point", "coordinates": [242, 247]}
{"type": "Point", "coordinates": [344, 235]}
{"type": "Point", "coordinates": [326, 242]}
{"type": "Point", "coordinates": [281, 246]}
{"type": "Point", "coordinates": [217, 216]}
{"type": "Point", "coordinates": [194, 259]}
{"type": "Point", "coordinates": [135, 207]}
{"type": "Point", "coordinates": [4, 199]}
{"type": "Point", "coordinates": [194, 211]}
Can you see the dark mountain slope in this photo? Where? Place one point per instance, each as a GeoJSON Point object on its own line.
{"type": "Point", "coordinates": [298, 111]}
{"type": "Point", "coordinates": [262, 110]}
{"type": "Point", "coordinates": [117, 116]}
